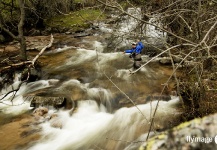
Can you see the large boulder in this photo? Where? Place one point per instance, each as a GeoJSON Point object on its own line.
{"type": "Point", "coordinates": [48, 101]}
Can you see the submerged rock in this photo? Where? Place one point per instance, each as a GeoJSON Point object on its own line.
{"type": "Point", "coordinates": [41, 115]}
{"type": "Point", "coordinates": [56, 121]}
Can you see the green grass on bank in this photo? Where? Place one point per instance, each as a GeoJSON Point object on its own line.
{"type": "Point", "coordinates": [75, 20]}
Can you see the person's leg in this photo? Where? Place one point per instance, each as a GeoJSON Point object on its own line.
{"type": "Point", "coordinates": [137, 61]}
{"type": "Point", "coordinates": [137, 64]}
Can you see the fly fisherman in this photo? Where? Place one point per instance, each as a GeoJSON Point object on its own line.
{"type": "Point", "coordinates": [135, 53]}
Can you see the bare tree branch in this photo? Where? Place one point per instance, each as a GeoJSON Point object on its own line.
{"type": "Point", "coordinates": [159, 27]}
{"type": "Point", "coordinates": [132, 72]}
{"type": "Point", "coordinates": [29, 62]}
{"type": "Point", "coordinates": [207, 34]}
{"type": "Point", "coordinates": [43, 49]}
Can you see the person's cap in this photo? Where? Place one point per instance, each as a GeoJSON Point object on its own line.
{"type": "Point", "coordinates": [133, 43]}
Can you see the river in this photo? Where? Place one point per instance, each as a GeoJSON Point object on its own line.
{"type": "Point", "coordinates": [105, 92]}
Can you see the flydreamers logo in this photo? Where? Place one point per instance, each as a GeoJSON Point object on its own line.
{"type": "Point", "coordinates": [194, 139]}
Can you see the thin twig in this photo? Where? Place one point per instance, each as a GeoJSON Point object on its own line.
{"type": "Point", "coordinates": [127, 97]}
{"type": "Point", "coordinates": [159, 27]}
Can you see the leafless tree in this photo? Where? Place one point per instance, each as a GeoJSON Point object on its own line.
{"type": "Point", "coordinates": [20, 37]}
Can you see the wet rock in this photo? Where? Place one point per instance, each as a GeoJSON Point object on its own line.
{"type": "Point", "coordinates": [53, 116]}
{"type": "Point", "coordinates": [165, 61]}
{"type": "Point", "coordinates": [48, 101]}
{"type": "Point", "coordinates": [40, 112]}
{"type": "Point", "coordinates": [196, 134]}
{"type": "Point", "coordinates": [78, 94]}
{"type": "Point", "coordinates": [56, 122]}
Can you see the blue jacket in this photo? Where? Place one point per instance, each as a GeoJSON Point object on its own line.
{"type": "Point", "coordinates": [137, 49]}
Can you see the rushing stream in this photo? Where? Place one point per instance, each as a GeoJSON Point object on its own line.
{"type": "Point", "coordinates": [105, 118]}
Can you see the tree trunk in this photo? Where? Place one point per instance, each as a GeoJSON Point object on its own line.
{"type": "Point", "coordinates": [20, 31]}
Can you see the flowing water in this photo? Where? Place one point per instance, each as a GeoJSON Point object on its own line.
{"type": "Point", "coordinates": [98, 81]}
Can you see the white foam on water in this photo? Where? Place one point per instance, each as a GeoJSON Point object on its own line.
{"type": "Point", "coordinates": [94, 93]}
{"type": "Point", "coordinates": [90, 125]}
{"type": "Point", "coordinates": [14, 103]}
{"type": "Point", "coordinates": [123, 74]}
{"type": "Point", "coordinates": [105, 28]}
{"type": "Point", "coordinates": [98, 46]}
{"type": "Point", "coordinates": [97, 59]}
{"type": "Point", "coordinates": [130, 23]}
{"type": "Point", "coordinates": [155, 35]}
{"type": "Point", "coordinates": [81, 56]}
{"type": "Point", "coordinates": [79, 130]}
{"type": "Point", "coordinates": [58, 50]}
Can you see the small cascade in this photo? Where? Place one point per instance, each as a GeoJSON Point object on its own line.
{"type": "Point", "coordinates": [15, 102]}
{"type": "Point", "coordinates": [78, 131]}
{"type": "Point", "coordinates": [129, 24]}
{"type": "Point", "coordinates": [91, 126]}
{"type": "Point", "coordinates": [155, 35]}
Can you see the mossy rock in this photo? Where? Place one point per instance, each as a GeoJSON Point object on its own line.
{"type": "Point", "coordinates": [201, 132]}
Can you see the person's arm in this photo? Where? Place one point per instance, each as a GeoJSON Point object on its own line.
{"type": "Point", "coordinates": [128, 51]}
